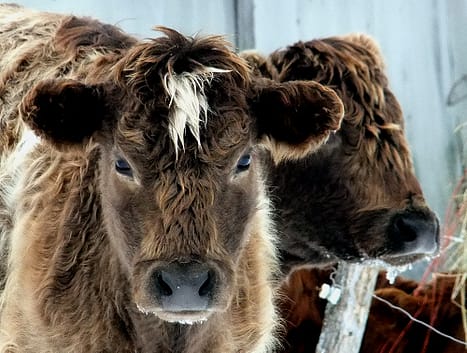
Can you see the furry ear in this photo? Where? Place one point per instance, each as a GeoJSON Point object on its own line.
{"type": "Point", "coordinates": [294, 118]}
{"type": "Point", "coordinates": [367, 42]}
{"type": "Point", "coordinates": [258, 64]}
{"type": "Point", "coordinates": [64, 112]}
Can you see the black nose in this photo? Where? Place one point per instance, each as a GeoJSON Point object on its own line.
{"type": "Point", "coordinates": [414, 233]}
{"type": "Point", "coordinates": [184, 286]}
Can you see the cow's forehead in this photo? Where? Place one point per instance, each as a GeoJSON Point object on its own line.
{"type": "Point", "coordinates": [222, 138]}
{"type": "Point", "coordinates": [222, 134]}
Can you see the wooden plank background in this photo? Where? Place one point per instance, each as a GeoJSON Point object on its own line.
{"type": "Point", "coordinates": [424, 44]}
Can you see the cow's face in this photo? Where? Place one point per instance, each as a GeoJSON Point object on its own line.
{"type": "Point", "coordinates": [180, 126]}
{"type": "Point", "coordinates": [357, 198]}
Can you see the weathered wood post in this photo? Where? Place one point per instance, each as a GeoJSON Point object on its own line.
{"type": "Point", "coordinates": [345, 321]}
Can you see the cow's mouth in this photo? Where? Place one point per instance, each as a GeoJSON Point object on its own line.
{"type": "Point", "coordinates": [185, 317]}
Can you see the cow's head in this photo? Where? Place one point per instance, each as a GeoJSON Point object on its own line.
{"type": "Point", "coordinates": [179, 123]}
{"type": "Point", "coordinates": [357, 198]}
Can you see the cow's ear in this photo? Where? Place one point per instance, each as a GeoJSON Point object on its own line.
{"type": "Point", "coordinates": [66, 113]}
{"type": "Point", "coordinates": [259, 64]}
{"type": "Point", "coordinates": [369, 44]}
{"type": "Point", "coordinates": [294, 118]}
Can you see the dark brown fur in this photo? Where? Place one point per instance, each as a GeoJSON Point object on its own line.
{"type": "Point", "coordinates": [138, 172]}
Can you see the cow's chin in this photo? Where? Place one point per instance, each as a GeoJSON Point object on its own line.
{"type": "Point", "coordinates": [400, 261]}
{"type": "Point", "coordinates": [394, 266]}
{"type": "Point", "coordinates": [184, 317]}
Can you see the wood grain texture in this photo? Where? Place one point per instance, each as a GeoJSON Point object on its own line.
{"type": "Point", "coordinates": [344, 322]}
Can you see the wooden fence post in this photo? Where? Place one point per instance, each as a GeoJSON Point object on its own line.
{"type": "Point", "coordinates": [345, 321]}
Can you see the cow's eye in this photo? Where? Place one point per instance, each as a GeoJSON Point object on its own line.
{"type": "Point", "coordinates": [244, 163]}
{"type": "Point", "coordinates": [123, 167]}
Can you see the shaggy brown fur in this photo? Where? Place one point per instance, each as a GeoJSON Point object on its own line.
{"type": "Point", "coordinates": [145, 179]}
{"type": "Point", "coordinates": [387, 330]}
{"type": "Point", "coordinates": [357, 198]}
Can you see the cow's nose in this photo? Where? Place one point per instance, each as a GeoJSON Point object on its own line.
{"type": "Point", "coordinates": [184, 286]}
{"type": "Point", "coordinates": [414, 233]}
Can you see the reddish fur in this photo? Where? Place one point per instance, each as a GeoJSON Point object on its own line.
{"type": "Point", "coordinates": [388, 330]}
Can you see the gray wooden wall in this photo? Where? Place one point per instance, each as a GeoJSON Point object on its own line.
{"type": "Point", "coordinates": [424, 44]}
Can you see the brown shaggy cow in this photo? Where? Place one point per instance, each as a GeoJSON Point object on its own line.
{"type": "Point", "coordinates": [140, 209]}
{"type": "Point", "coordinates": [357, 198]}
{"type": "Point", "coordinates": [388, 330]}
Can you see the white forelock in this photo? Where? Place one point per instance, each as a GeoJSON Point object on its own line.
{"type": "Point", "coordinates": [188, 105]}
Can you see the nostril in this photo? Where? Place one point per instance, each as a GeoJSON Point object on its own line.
{"type": "Point", "coordinates": [208, 285]}
{"type": "Point", "coordinates": [162, 286]}
{"type": "Point", "coordinates": [405, 229]}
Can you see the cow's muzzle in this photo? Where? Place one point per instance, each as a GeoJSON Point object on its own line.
{"type": "Point", "coordinates": [183, 286]}
{"type": "Point", "coordinates": [413, 233]}
{"type": "Point", "coordinates": [181, 292]}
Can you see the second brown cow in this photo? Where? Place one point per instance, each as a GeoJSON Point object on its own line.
{"type": "Point", "coordinates": [358, 198]}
